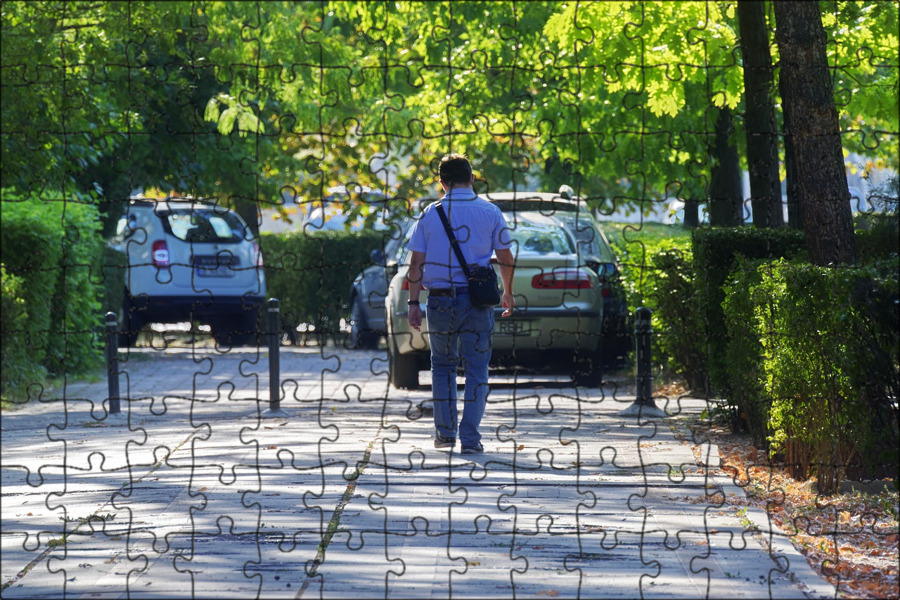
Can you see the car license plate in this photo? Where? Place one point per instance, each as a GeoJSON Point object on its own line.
{"type": "Point", "coordinates": [514, 327]}
{"type": "Point", "coordinates": [214, 266]}
{"type": "Point", "coordinates": [223, 271]}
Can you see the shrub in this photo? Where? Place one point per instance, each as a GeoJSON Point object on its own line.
{"type": "Point", "coordinates": [16, 369]}
{"type": "Point", "coordinates": [656, 273]}
{"type": "Point", "coordinates": [54, 248]}
{"type": "Point", "coordinates": [311, 274]}
{"type": "Point", "coordinates": [830, 352]}
{"type": "Point", "coordinates": [747, 401]}
{"type": "Point", "coordinates": [715, 252]}
{"type": "Point", "coordinates": [877, 237]}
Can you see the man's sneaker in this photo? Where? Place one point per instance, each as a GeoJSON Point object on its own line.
{"type": "Point", "coordinates": [442, 442]}
{"type": "Point", "coordinates": [477, 449]}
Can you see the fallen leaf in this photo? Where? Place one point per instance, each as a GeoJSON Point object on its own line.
{"type": "Point", "coordinates": [551, 593]}
{"type": "Point", "coordinates": [521, 447]}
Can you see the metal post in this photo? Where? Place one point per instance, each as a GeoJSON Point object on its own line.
{"type": "Point", "coordinates": [643, 406]}
{"type": "Point", "coordinates": [274, 335]}
{"type": "Point", "coordinates": [112, 362]}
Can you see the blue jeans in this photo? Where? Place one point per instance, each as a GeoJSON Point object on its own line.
{"type": "Point", "coordinates": [456, 329]}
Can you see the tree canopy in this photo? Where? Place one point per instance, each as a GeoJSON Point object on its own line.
{"type": "Point", "coordinates": [247, 101]}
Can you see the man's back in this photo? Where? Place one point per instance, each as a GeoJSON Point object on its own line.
{"type": "Point", "coordinates": [478, 226]}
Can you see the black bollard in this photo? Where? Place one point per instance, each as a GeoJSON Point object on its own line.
{"type": "Point", "coordinates": [643, 405]}
{"type": "Point", "coordinates": [274, 335]}
{"type": "Point", "coordinates": [112, 363]}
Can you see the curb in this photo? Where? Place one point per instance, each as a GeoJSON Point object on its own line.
{"type": "Point", "coordinates": [772, 538]}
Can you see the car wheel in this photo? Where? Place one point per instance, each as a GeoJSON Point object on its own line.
{"type": "Point", "coordinates": [587, 370]}
{"type": "Point", "coordinates": [237, 330]}
{"type": "Point", "coordinates": [360, 335]}
{"type": "Point", "coordinates": [129, 323]}
{"type": "Point", "coordinates": [403, 371]}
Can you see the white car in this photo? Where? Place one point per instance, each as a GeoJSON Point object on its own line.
{"type": "Point", "coordinates": [189, 260]}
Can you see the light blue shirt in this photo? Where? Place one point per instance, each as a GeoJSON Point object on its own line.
{"type": "Point", "coordinates": [479, 227]}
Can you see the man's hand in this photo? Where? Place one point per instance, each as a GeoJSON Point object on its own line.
{"type": "Point", "coordinates": [414, 314]}
{"type": "Point", "coordinates": [509, 303]}
{"type": "Point", "coordinates": [507, 266]}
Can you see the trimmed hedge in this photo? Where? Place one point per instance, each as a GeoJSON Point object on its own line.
{"type": "Point", "coordinates": [311, 274]}
{"type": "Point", "coordinates": [657, 274]}
{"type": "Point", "coordinates": [715, 254]}
{"type": "Point", "coordinates": [830, 340]}
{"type": "Point", "coordinates": [747, 400]}
{"type": "Point", "coordinates": [16, 367]}
{"type": "Point", "coordinates": [878, 237]}
{"type": "Point", "coordinates": [52, 253]}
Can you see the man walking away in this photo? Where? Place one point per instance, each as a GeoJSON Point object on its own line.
{"type": "Point", "coordinates": [456, 328]}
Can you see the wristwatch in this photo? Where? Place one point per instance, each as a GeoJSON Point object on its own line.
{"type": "Point", "coordinates": [412, 303]}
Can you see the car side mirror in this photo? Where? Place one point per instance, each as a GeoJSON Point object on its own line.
{"type": "Point", "coordinates": [392, 267]}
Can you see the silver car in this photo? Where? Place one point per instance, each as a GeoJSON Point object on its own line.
{"type": "Point", "coordinates": [368, 291]}
{"type": "Point", "coordinates": [564, 286]}
{"type": "Point", "coordinates": [189, 260]}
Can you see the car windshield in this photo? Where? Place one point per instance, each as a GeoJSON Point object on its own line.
{"type": "Point", "coordinates": [206, 225]}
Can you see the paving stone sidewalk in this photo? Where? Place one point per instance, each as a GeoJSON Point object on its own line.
{"type": "Point", "coordinates": [194, 492]}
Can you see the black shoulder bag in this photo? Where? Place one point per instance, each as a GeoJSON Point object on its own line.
{"type": "Point", "coordinates": [483, 289]}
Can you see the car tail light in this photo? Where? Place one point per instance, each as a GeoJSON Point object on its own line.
{"type": "Point", "coordinates": [405, 285]}
{"type": "Point", "coordinates": [160, 254]}
{"type": "Point", "coordinates": [259, 257]}
{"type": "Point", "coordinates": [562, 279]}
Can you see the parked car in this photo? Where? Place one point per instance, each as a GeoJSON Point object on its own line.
{"type": "Point", "coordinates": [570, 308]}
{"type": "Point", "coordinates": [369, 289]}
{"type": "Point", "coordinates": [189, 260]}
{"type": "Point", "coordinates": [331, 213]}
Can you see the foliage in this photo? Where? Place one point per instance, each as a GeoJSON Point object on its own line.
{"type": "Point", "coordinates": [656, 273]}
{"type": "Point", "coordinates": [863, 47]}
{"type": "Point", "coordinates": [830, 359]}
{"type": "Point", "coordinates": [715, 252]}
{"type": "Point", "coordinates": [53, 246]}
{"type": "Point", "coordinates": [109, 108]}
{"type": "Point", "coordinates": [239, 100]}
{"type": "Point", "coordinates": [16, 368]}
{"type": "Point", "coordinates": [746, 399]}
{"type": "Point", "coordinates": [311, 274]}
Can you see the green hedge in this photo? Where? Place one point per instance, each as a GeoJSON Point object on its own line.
{"type": "Point", "coordinates": [17, 369]}
{"type": "Point", "coordinates": [877, 237]}
{"type": "Point", "coordinates": [746, 399]}
{"type": "Point", "coordinates": [657, 273]}
{"type": "Point", "coordinates": [715, 254]}
{"type": "Point", "coordinates": [52, 253]}
{"type": "Point", "coordinates": [311, 274]}
{"type": "Point", "coordinates": [830, 341]}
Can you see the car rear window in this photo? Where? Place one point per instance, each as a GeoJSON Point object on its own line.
{"type": "Point", "coordinates": [541, 239]}
{"type": "Point", "coordinates": [206, 226]}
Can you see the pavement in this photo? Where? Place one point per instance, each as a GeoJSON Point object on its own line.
{"type": "Point", "coordinates": [197, 490]}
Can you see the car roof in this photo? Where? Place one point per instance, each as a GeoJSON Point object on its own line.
{"type": "Point", "coordinates": [176, 203]}
{"type": "Point", "coordinates": [543, 202]}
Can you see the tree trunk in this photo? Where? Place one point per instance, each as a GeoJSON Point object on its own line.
{"type": "Point", "coordinates": [759, 119]}
{"type": "Point", "coordinates": [691, 213]}
{"type": "Point", "coordinates": [808, 100]}
{"type": "Point", "coordinates": [726, 208]}
{"type": "Point", "coordinates": [790, 170]}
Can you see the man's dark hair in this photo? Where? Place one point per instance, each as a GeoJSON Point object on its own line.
{"type": "Point", "coordinates": [455, 168]}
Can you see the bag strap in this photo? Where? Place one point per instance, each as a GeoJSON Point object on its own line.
{"type": "Point", "coordinates": [455, 244]}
